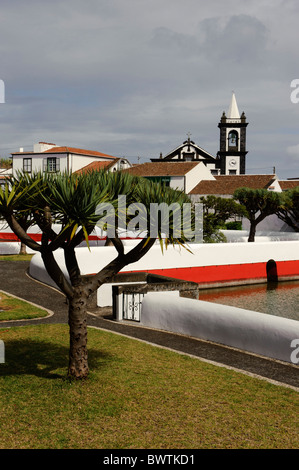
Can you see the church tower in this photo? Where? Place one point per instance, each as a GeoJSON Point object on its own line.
{"type": "Point", "coordinates": [231, 158]}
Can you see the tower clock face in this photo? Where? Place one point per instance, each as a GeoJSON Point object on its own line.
{"type": "Point", "coordinates": [232, 162]}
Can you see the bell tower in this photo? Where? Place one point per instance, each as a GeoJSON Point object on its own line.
{"type": "Point", "coordinates": [232, 154]}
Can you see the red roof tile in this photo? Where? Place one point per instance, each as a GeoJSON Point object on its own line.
{"type": "Point", "coordinates": [288, 184]}
{"type": "Point", "coordinates": [95, 166]}
{"type": "Point", "coordinates": [77, 151]}
{"type": "Point", "coordinates": [227, 184]}
{"type": "Point", "coordinates": [162, 168]}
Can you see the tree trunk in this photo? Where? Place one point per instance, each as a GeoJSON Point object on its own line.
{"type": "Point", "coordinates": [22, 249]}
{"type": "Point", "coordinates": [78, 356]}
{"type": "Point", "coordinates": [252, 232]}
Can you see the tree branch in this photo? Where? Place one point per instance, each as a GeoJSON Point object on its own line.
{"type": "Point", "coordinates": [118, 244]}
{"type": "Point", "coordinates": [21, 234]}
{"type": "Point", "coordinates": [139, 250]}
{"type": "Point", "coordinates": [134, 255]}
{"type": "Point", "coordinates": [56, 273]}
{"type": "Point", "coordinates": [44, 225]}
{"type": "Point", "coordinates": [72, 265]}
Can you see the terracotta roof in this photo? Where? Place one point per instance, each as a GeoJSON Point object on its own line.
{"type": "Point", "coordinates": [77, 151]}
{"type": "Point", "coordinates": [92, 153]}
{"type": "Point", "coordinates": [97, 165]}
{"type": "Point", "coordinates": [288, 184]}
{"type": "Point", "coordinates": [162, 168]}
{"type": "Point", "coordinates": [227, 184]}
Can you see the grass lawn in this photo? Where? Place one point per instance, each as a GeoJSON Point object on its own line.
{"type": "Point", "coordinates": [12, 308]}
{"type": "Point", "coordinates": [26, 257]}
{"type": "Point", "coordinates": [137, 397]}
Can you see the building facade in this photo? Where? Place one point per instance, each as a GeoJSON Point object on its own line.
{"type": "Point", "coordinates": [51, 158]}
{"type": "Point", "coordinates": [231, 157]}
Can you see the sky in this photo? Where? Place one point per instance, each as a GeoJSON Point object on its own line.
{"type": "Point", "coordinates": [132, 78]}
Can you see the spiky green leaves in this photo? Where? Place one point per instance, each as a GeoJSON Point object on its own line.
{"type": "Point", "coordinates": [72, 201]}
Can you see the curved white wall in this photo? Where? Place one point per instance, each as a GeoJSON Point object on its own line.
{"type": "Point", "coordinates": [259, 333]}
{"type": "Point", "coordinates": [214, 254]}
{"type": "Point", "coordinates": [241, 236]}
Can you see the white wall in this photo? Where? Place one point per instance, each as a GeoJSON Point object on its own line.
{"type": "Point", "coordinates": [241, 236]}
{"type": "Point", "coordinates": [177, 182]}
{"type": "Point", "coordinates": [79, 161]}
{"type": "Point", "coordinates": [198, 173]}
{"type": "Point", "coordinates": [38, 161]}
{"type": "Point", "coordinates": [259, 333]}
{"type": "Point", "coordinates": [214, 254]}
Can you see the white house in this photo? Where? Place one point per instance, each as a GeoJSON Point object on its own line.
{"type": "Point", "coordinates": [182, 175]}
{"type": "Point", "coordinates": [51, 158]}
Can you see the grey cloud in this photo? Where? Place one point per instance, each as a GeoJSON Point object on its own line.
{"type": "Point", "coordinates": [131, 78]}
{"type": "Point", "coordinates": [240, 38]}
{"type": "Point", "coordinates": [172, 41]}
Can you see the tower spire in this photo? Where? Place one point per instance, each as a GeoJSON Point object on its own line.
{"type": "Point", "coordinates": [232, 152]}
{"type": "Point", "coordinates": [233, 111]}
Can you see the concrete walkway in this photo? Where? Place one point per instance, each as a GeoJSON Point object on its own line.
{"type": "Point", "coordinates": [15, 280]}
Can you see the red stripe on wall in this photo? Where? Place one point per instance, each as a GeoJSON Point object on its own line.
{"type": "Point", "coordinates": [11, 237]}
{"type": "Point", "coordinates": [4, 237]}
{"type": "Point", "coordinates": [287, 268]}
{"type": "Point", "coordinates": [227, 273]}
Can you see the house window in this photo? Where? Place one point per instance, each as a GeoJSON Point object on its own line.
{"type": "Point", "coordinates": [160, 179]}
{"type": "Point", "coordinates": [27, 165]}
{"type": "Point", "coordinates": [232, 172]}
{"type": "Point", "coordinates": [51, 164]}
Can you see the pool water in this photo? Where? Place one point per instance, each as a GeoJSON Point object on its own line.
{"type": "Point", "coordinates": [280, 299]}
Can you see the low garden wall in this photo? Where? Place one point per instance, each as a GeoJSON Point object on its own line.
{"type": "Point", "coordinates": [258, 333]}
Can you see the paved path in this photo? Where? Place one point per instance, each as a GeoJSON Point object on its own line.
{"type": "Point", "coordinates": [15, 280]}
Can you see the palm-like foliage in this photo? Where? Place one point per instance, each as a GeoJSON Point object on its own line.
{"type": "Point", "coordinates": [72, 200]}
{"type": "Point", "coordinates": [163, 213]}
{"type": "Point", "coordinates": [15, 204]}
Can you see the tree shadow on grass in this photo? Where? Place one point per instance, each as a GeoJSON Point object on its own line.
{"type": "Point", "coordinates": [43, 359]}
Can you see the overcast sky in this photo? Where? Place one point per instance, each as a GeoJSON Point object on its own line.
{"type": "Point", "coordinates": [133, 77]}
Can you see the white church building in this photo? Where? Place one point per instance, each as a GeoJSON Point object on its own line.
{"type": "Point", "coordinates": [231, 157]}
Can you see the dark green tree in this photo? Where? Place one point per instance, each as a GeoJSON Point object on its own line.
{"type": "Point", "coordinates": [258, 204]}
{"type": "Point", "coordinates": [5, 163]}
{"type": "Point", "coordinates": [288, 210]}
{"type": "Point", "coordinates": [216, 211]}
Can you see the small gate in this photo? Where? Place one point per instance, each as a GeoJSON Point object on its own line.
{"type": "Point", "coordinates": [127, 298]}
{"type": "Point", "coordinates": [131, 305]}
